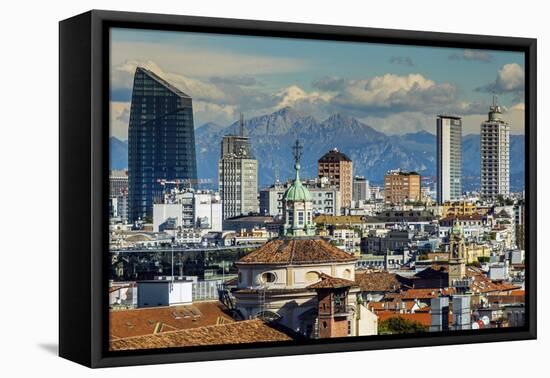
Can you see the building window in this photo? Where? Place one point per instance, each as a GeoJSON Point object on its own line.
{"type": "Point", "coordinates": [268, 277]}
{"type": "Point", "coordinates": [312, 276]}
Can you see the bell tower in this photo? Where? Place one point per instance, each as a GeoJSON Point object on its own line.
{"type": "Point", "coordinates": [334, 313]}
{"type": "Point", "coordinates": [457, 266]}
{"type": "Point", "coordinates": [297, 203]}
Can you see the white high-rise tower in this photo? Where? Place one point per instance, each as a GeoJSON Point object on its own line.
{"type": "Point", "coordinates": [449, 158]}
{"type": "Point", "coordinates": [238, 175]}
{"type": "Point", "coordinates": [495, 155]}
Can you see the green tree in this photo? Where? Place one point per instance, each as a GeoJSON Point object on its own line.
{"type": "Point", "coordinates": [476, 264]}
{"type": "Point", "coordinates": [398, 324]}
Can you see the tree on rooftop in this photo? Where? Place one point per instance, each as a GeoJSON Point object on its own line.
{"type": "Point", "coordinates": [396, 325]}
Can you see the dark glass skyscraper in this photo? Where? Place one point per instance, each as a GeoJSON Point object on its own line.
{"type": "Point", "coordinates": [161, 141]}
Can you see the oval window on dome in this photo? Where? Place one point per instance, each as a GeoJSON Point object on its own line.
{"type": "Point", "coordinates": [312, 276]}
{"type": "Point", "coordinates": [268, 277]}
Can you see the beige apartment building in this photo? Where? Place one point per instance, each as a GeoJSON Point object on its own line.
{"type": "Point", "coordinates": [401, 187]}
{"type": "Point", "coordinates": [338, 169]}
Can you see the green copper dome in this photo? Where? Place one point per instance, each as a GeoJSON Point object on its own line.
{"type": "Point", "coordinates": [296, 191]}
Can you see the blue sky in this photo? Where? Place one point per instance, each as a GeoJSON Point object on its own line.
{"type": "Point", "coordinates": [394, 88]}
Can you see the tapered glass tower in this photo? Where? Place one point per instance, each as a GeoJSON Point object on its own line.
{"type": "Point", "coordinates": [161, 142]}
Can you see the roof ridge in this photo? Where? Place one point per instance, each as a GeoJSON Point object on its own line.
{"type": "Point", "coordinates": [185, 330]}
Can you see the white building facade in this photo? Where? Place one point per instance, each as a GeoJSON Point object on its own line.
{"type": "Point", "coordinates": [495, 155]}
{"type": "Point", "coordinates": [237, 177]}
{"type": "Point", "coordinates": [449, 158]}
{"type": "Point", "coordinates": [188, 209]}
{"type": "Point", "coordinates": [326, 199]}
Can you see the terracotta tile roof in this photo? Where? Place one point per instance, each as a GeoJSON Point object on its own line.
{"type": "Point", "coordinates": [424, 293]}
{"type": "Point", "coordinates": [146, 321]}
{"type": "Point", "coordinates": [423, 318]}
{"type": "Point", "coordinates": [392, 305]}
{"type": "Point", "coordinates": [426, 309]}
{"type": "Point", "coordinates": [247, 331]}
{"type": "Point", "coordinates": [482, 284]}
{"type": "Point", "coordinates": [377, 281]}
{"type": "Point", "coordinates": [505, 299]}
{"type": "Point", "coordinates": [421, 294]}
{"type": "Point", "coordinates": [376, 306]}
{"type": "Point", "coordinates": [329, 282]}
{"type": "Point", "coordinates": [288, 251]}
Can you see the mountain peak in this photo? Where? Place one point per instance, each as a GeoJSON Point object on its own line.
{"type": "Point", "coordinates": [340, 117]}
{"type": "Point", "coordinates": [287, 111]}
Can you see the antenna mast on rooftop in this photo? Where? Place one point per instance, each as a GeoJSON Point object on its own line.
{"type": "Point", "coordinates": [297, 151]}
{"type": "Point", "coordinates": [241, 125]}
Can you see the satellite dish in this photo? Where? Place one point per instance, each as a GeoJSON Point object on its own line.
{"type": "Point", "coordinates": [485, 320]}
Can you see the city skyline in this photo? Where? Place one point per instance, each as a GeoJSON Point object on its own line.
{"type": "Point", "coordinates": [395, 89]}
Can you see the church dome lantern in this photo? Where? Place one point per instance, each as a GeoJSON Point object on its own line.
{"type": "Point", "coordinates": [297, 203]}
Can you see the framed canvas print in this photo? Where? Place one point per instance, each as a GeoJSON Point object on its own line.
{"type": "Point", "coordinates": [233, 188]}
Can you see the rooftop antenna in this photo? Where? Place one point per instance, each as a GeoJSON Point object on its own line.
{"type": "Point", "coordinates": [297, 151]}
{"type": "Point", "coordinates": [241, 125]}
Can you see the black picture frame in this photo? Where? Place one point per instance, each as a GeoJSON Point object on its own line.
{"type": "Point", "coordinates": [83, 182]}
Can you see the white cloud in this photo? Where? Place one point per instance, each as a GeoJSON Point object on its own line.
{"type": "Point", "coordinates": [295, 96]}
{"type": "Point", "coordinates": [391, 103]}
{"type": "Point", "coordinates": [514, 115]}
{"type": "Point", "coordinates": [196, 62]}
{"type": "Point", "coordinates": [510, 78]}
{"type": "Point", "coordinates": [402, 123]}
{"type": "Point", "coordinates": [122, 76]}
{"type": "Point", "coordinates": [400, 93]}
{"type": "Point", "coordinates": [469, 54]}
{"type": "Point", "coordinates": [209, 112]}
{"type": "Point", "coordinates": [119, 115]}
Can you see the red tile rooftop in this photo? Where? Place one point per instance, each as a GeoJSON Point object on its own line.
{"type": "Point", "coordinates": [424, 318]}
{"type": "Point", "coordinates": [377, 281]}
{"type": "Point", "coordinates": [146, 321]}
{"type": "Point", "coordinates": [286, 251]}
{"type": "Point", "coordinates": [329, 282]}
{"type": "Point", "coordinates": [247, 331]}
